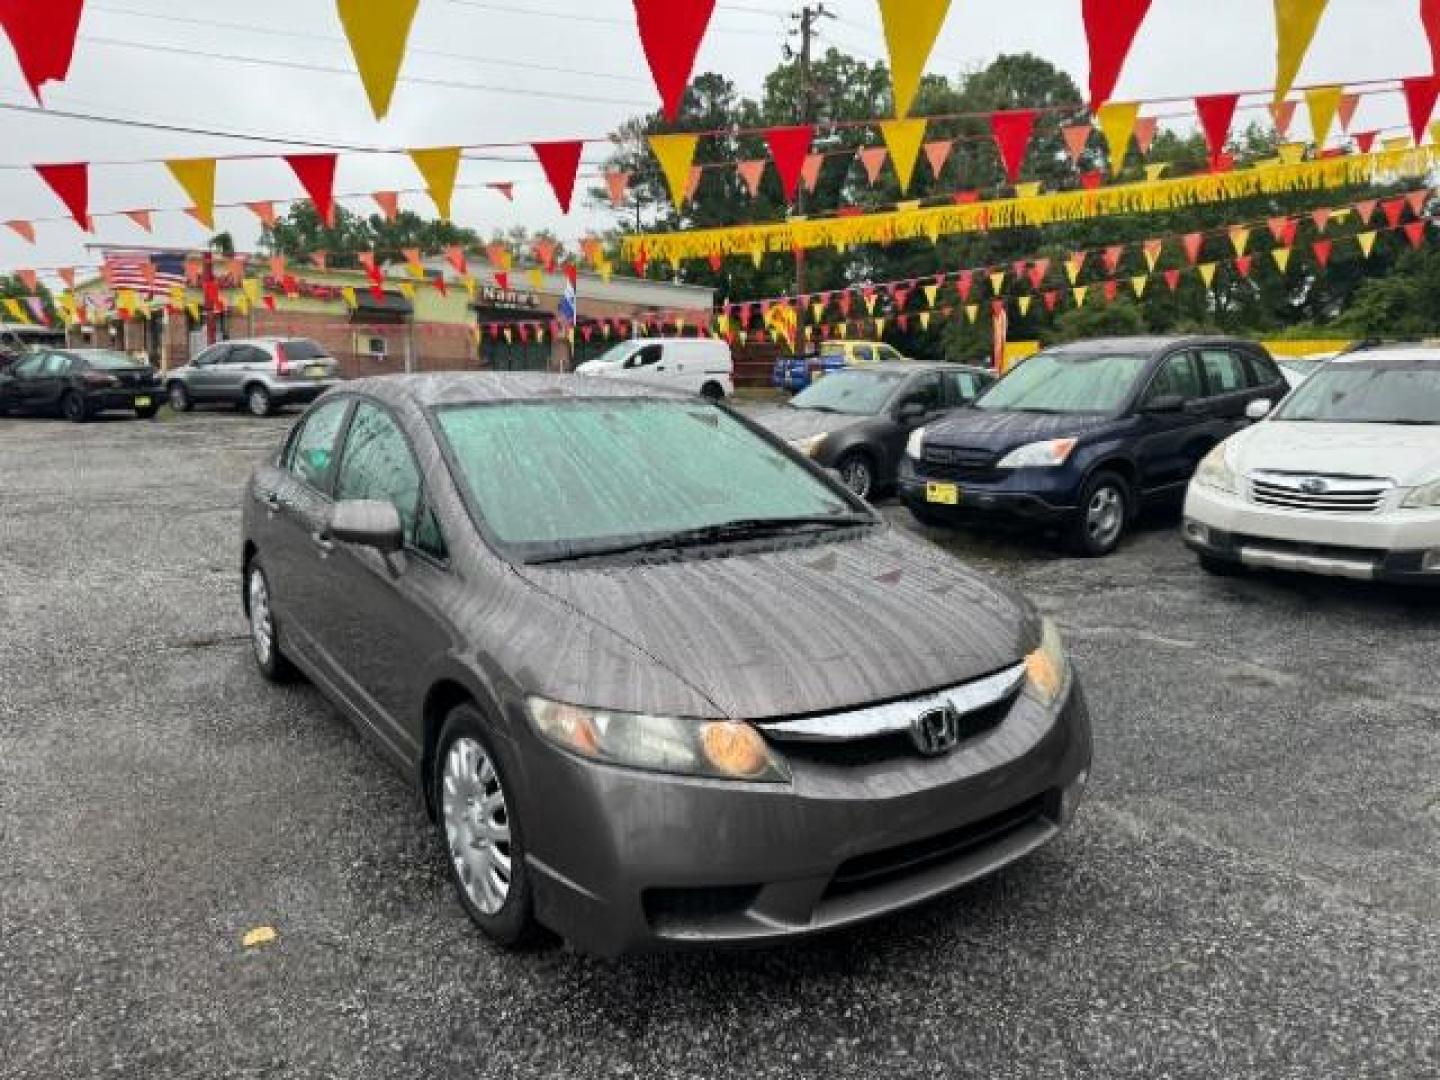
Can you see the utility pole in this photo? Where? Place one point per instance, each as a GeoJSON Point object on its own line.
{"type": "Point", "coordinates": [806, 21]}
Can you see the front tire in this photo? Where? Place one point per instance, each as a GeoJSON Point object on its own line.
{"type": "Point", "coordinates": [1105, 511]}
{"type": "Point", "coordinates": [713, 392]}
{"type": "Point", "coordinates": [264, 634]}
{"type": "Point", "coordinates": [258, 402]}
{"type": "Point", "coordinates": [480, 831]}
{"type": "Point", "coordinates": [75, 408]}
{"type": "Point", "coordinates": [858, 472]}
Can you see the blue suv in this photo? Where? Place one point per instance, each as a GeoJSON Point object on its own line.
{"type": "Point", "coordinates": [1081, 437]}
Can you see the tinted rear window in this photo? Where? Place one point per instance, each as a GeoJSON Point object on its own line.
{"type": "Point", "coordinates": [304, 349]}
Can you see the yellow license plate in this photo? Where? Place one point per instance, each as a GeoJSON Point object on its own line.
{"type": "Point", "coordinates": [315, 372]}
{"type": "Point", "coordinates": [142, 402]}
{"type": "Point", "coordinates": [943, 494]}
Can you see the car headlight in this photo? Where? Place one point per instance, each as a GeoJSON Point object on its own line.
{"type": "Point", "coordinates": [719, 749]}
{"type": "Point", "coordinates": [1215, 472]}
{"type": "Point", "coordinates": [811, 446]}
{"type": "Point", "coordinates": [1425, 497]}
{"type": "Point", "coordinates": [1041, 455]}
{"type": "Point", "coordinates": [915, 445]}
{"type": "Point", "coordinates": [1047, 667]}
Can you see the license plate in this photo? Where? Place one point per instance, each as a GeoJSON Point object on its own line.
{"type": "Point", "coordinates": [316, 372]}
{"type": "Point", "coordinates": [942, 494]}
{"type": "Point", "coordinates": [142, 402]}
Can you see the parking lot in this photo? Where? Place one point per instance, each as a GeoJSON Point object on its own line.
{"type": "Point", "coordinates": [1253, 888]}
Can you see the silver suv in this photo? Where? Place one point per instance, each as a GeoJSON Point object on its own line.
{"type": "Point", "coordinates": [260, 374]}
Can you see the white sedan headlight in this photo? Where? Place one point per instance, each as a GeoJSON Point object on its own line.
{"type": "Point", "coordinates": [811, 446]}
{"type": "Point", "coordinates": [915, 446]}
{"type": "Point", "coordinates": [718, 749]}
{"type": "Point", "coordinates": [1215, 472]}
{"type": "Point", "coordinates": [1041, 455]}
{"type": "Point", "coordinates": [1425, 497]}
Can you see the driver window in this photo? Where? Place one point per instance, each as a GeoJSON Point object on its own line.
{"type": "Point", "coordinates": [29, 367]}
{"type": "Point", "coordinates": [312, 453]}
{"type": "Point", "coordinates": [377, 464]}
{"type": "Point", "coordinates": [56, 365]}
{"type": "Point", "coordinates": [646, 357]}
{"type": "Point", "coordinates": [863, 354]}
{"type": "Point", "coordinates": [213, 355]}
{"type": "Point", "coordinates": [1177, 377]}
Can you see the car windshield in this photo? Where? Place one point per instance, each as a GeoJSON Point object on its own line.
{"type": "Point", "coordinates": [108, 361]}
{"type": "Point", "coordinates": [852, 393]}
{"type": "Point", "coordinates": [579, 477]}
{"type": "Point", "coordinates": [1067, 382]}
{"type": "Point", "coordinates": [1375, 392]}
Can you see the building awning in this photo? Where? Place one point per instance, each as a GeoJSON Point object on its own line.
{"type": "Point", "coordinates": [388, 303]}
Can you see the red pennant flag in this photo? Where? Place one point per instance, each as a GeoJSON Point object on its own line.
{"type": "Point", "coordinates": [1217, 113]}
{"type": "Point", "coordinates": [1420, 95]}
{"type": "Point", "coordinates": [1322, 250]}
{"type": "Point", "coordinates": [1038, 272]}
{"type": "Point", "coordinates": [321, 259]}
{"type": "Point", "coordinates": [23, 229]}
{"type": "Point", "coordinates": [72, 184]}
{"type": "Point", "coordinates": [440, 286]}
{"type": "Point", "coordinates": [964, 284]}
{"type": "Point", "coordinates": [1243, 264]}
{"type": "Point", "coordinates": [456, 255]}
{"type": "Point", "coordinates": [1110, 26]}
{"type": "Point", "coordinates": [269, 303]}
{"type": "Point", "coordinates": [42, 33]}
{"type": "Point", "coordinates": [789, 147]}
{"type": "Point", "coordinates": [1051, 298]}
{"type": "Point", "coordinates": [1393, 209]}
{"type": "Point", "coordinates": [316, 173]}
{"type": "Point", "coordinates": [389, 203]}
{"type": "Point", "coordinates": [1172, 279]}
{"type": "Point", "coordinates": [1415, 232]}
{"type": "Point", "coordinates": [1111, 287]}
{"type": "Point", "coordinates": [1283, 230]}
{"type": "Point", "coordinates": [1365, 141]}
{"type": "Point", "coordinates": [1092, 179]}
{"type": "Point", "coordinates": [1145, 128]}
{"type": "Point", "coordinates": [502, 280]}
{"type": "Point", "coordinates": [142, 218]}
{"type": "Point", "coordinates": [1430, 17]}
{"type": "Point", "coordinates": [31, 279]}
{"type": "Point", "coordinates": [1348, 104]}
{"type": "Point", "coordinates": [1012, 131]}
{"type": "Point", "coordinates": [1283, 113]}
{"type": "Point", "coordinates": [1077, 137]}
{"type": "Point", "coordinates": [561, 163]}
{"type": "Point", "coordinates": [504, 188]}
{"type": "Point", "coordinates": [1111, 257]}
{"type": "Point", "coordinates": [671, 32]}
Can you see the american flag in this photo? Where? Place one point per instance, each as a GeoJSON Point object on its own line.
{"type": "Point", "coordinates": [145, 274]}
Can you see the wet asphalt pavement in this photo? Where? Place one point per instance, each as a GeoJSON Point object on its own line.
{"type": "Point", "coordinates": [1252, 890]}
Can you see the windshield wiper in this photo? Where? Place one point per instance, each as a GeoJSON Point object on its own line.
{"type": "Point", "coordinates": [725, 532]}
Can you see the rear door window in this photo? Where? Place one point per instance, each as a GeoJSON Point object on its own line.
{"type": "Point", "coordinates": [312, 453]}
{"type": "Point", "coordinates": [1263, 371]}
{"type": "Point", "coordinates": [1224, 372]}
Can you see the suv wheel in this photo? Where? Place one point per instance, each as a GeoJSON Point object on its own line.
{"type": "Point", "coordinates": [484, 846]}
{"type": "Point", "coordinates": [257, 400]}
{"type": "Point", "coordinates": [179, 397]}
{"type": "Point", "coordinates": [1104, 513]}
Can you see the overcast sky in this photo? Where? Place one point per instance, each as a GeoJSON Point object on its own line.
{"type": "Point", "coordinates": [520, 70]}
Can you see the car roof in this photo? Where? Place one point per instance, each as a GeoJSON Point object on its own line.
{"type": "Point", "coordinates": [480, 387]}
{"type": "Point", "coordinates": [912, 367]}
{"type": "Point", "coordinates": [1399, 353]}
{"type": "Point", "coordinates": [1148, 344]}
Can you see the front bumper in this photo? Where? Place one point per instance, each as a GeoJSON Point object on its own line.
{"type": "Point", "coordinates": [628, 861]}
{"type": "Point", "coordinates": [1015, 499]}
{"type": "Point", "coordinates": [1399, 545]}
{"type": "Point", "coordinates": [124, 400]}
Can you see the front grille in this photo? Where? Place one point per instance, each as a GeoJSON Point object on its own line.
{"type": "Point", "coordinates": [959, 463]}
{"type": "Point", "coordinates": [879, 867]}
{"type": "Point", "coordinates": [1319, 494]}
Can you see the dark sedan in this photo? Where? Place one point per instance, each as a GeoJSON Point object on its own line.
{"type": "Point", "coordinates": [659, 680]}
{"type": "Point", "coordinates": [857, 421]}
{"type": "Point", "coordinates": [1081, 437]}
{"type": "Point", "coordinates": [80, 384]}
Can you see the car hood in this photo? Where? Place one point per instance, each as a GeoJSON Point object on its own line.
{"type": "Point", "coordinates": [807, 629]}
{"type": "Point", "coordinates": [1407, 455]}
{"type": "Point", "coordinates": [792, 425]}
{"type": "Point", "coordinates": [1005, 431]}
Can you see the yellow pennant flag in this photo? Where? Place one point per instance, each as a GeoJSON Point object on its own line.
{"type": "Point", "coordinates": [1156, 171]}
{"type": "Point", "coordinates": [537, 279]}
{"type": "Point", "coordinates": [196, 176]}
{"type": "Point", "coordinates": [439, 168]}
{"type": "Point", "coordinates": [757, 256]}
{"type": "Point", "coordinates": [194, 309]}
{"type": "Point", "coordinates": [932, 292]}
{"type": "Point", "coordinates": [1240, 237]}
{"type": "Point", "coordinates": [177, 295]}
{"type": "Point", "coordinates": [1435, 133]}
{"type": "Point", "coordinates": [1080, 294]}
{"type": "Point", "coordinates": [817, 311]}
{"type": "Point", "coordinates": [1023, 303]}
{"type": "Point", "coordinates": [1138, 283]}
{"type": "Point", "coordinates": [1282, 258]}
{"type": "Point", "coordinates": [904, 138]}
{"type": "Point", "coordinates": [844, 330]}
{"type": "Point", "coordinates": [911, 27]}
{"type": "Point", "coordinates": [879, 328]}
{"type": "Point", "coordinates": [1295, 24]}
{"type": "Point", "coordinates": [1367, 242]}
{"type": "Point", "coordinates": [351, 300]}
{"type": "Point", "coordinates": [1291, 153]}
{"type": "Point", "coordinates": [676, 153]}
{"type": "Point", "coordinates": [1073, 266]}
{"type": "Point", "coordinates": [242, 304]}
{"type": "Point", "coordinates": [1027, 190]}
{"type": "Point", "coordinates": [1396, 143]}
{"type": "Point", "coordinates": [997, 281]}
{"type": "Point", "coordinates": [870, 302]}
{"type": "Point", "coordinates": [925, 320]}
{"type": "Point", "coordinates": [1207, 273]}
{"type": "Point", "coordinates": [252, 290]}
{"type": "Point", "coordinates": [972, 312]}
{"type": "Point", "coordinates": [1323, 103]}
{"type": "Point", "coordinates": [607, 271]}
{"type": "Point", "coordinates": [378, 31]}
{"type": "Point", "coordinates": [1117, 123]}
{"type": "Point", "coordinates": [15, 311]}
{"type": "Point", "coordinates": [407, 290]}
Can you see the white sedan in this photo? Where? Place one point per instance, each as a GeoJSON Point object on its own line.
{"type": "Point", "coordinates": [1342, 480]}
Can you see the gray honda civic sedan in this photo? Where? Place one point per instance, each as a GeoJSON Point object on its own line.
{"type": "Point", "coordinates": [658, 679]}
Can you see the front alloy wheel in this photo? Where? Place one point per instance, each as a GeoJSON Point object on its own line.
{"type": "Point", "coordinates": [477, 825]}
{"type": "Point", "coordinates": [858, 475]}
{"type": "Point", "coordinates": [257, 400]}
{"type": "Point", "coordinates": [264, 642]}
{"type": "Point", "coordinates": [1104, 513]}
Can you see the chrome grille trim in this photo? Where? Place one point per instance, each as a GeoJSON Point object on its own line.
{"type": "Point", "coordinates": [897, 716]}
{"type": "Point", "coordinates": [1336, 494]}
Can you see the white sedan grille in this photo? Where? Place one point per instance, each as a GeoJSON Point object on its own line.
{"type": "Point", "coordinates": [1320, 494]}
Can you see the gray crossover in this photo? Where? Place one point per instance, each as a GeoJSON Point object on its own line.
{"type": "Point", "coordinates": [260, 375]}
{"type": "Point", "coordinates": [658, 679]}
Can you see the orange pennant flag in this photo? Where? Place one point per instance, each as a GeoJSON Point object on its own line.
{"type": "Point", "coordinates": [617, 183]}
{"type": "Point", "coordinates": [389, 203]}
{"type": "Point", "coordinates": [265, 211]}
{"type": "Point", "coordinates": [23, 229]}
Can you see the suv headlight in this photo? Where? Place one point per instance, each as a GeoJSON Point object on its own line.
{"type": "Point", "coordinates": [719, 749]}
{"type": "Point", "coordinates": [1041, 455]}
{"type": "Point", "coordinates": [1215, 472]}
{"type": "Point", "coordinates": [1047, 667]}
{"type": "Point", "coordinates": [811, 446]}
{"type": "Point", "coordinates": [1425, 497]}
{"type": "Point", "coordinates": [915, 445]}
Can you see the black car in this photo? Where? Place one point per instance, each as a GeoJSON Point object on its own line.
{"type": "Point", "coordinates": [1079, 438]}
{"type": "Point", "coordinates": [658, 680]}
{"type": "Point", "coordinates": [78, 384]}
{"type": "Point", "coordinates": [857, 420]}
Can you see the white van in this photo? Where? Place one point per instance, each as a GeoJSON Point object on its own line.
{"type": "Point", "coordinates": [700, 365]}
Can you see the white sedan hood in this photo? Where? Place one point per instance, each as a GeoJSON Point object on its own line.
{"type": "Point", "coordinates": [1407, 455]}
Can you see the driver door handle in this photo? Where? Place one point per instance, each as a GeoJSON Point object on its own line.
{"type": "Point", "coordinates": [323, 543]}
{"type": "Point", "coordinates": [271, 501]}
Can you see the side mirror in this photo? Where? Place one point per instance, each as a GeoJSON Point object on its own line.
{"type": "Point", "coordinates": [910, 411]}
{"type": "Point", "coordinates": [1166, 403]}
{"type": "Point", "coordinates": [1259, 410]}
{"type": "Point", "coordinates": [368, 524]}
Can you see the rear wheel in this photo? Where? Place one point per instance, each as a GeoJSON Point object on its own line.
{"type": "Point", "coordinates": [858, 472]}
{"type": "Point", "coordinates": [712, 391]}
{"type": "Point", "coordinates": [179, 397]}
{"type": "Point", "coordinates": [484, 845]}
{"type": "Point", "coordinates": [1104, 513]}
{"type": "Point", "coordinates": [264, 637]}
{"type": "Point", "coordinates": [257, 400]}
{"type": "Point", "coordinates": [75, 408]}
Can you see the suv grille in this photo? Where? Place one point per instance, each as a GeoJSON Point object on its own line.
{"type": "Point", "coordinates": [1319, 494]}
{"type": "Point", "coordinates": [959, 463]}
